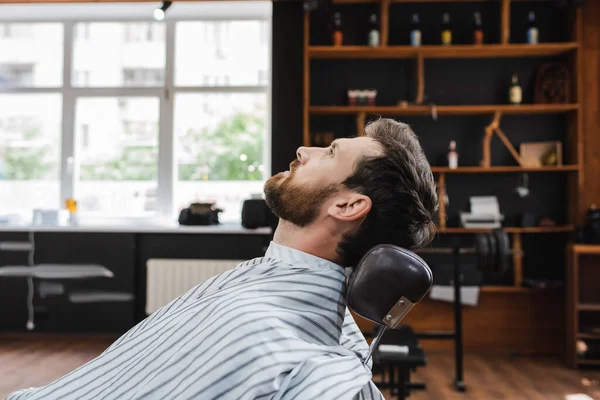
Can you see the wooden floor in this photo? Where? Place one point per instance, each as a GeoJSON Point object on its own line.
{"type": "Point", "coordinates": [27, 362]}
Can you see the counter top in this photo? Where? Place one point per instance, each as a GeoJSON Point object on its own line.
{"type": "Point", "coordinates": [225, 228]}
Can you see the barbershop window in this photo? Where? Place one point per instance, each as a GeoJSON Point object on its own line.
{"type": "Point", "coordinates": [131, 117]}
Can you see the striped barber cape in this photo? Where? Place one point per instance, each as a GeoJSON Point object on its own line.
{"type": "Point", "coordinates": [274, 327]}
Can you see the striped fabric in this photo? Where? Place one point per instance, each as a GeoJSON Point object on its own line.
{"type": "Point", "coordinates": [274, 327]}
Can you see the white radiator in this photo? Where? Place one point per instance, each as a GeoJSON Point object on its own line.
{"type": "Point", "coordinates": [169, 278]}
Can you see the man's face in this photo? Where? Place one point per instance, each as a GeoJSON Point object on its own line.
{"type": "Point", "coordinates": [314, 178]}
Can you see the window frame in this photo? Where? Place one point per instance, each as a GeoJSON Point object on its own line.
{"type": "Point", "coordinates": [167, 163]}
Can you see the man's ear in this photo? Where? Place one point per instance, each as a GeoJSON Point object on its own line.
{"type": "Point", "coordinates": [350, 207]}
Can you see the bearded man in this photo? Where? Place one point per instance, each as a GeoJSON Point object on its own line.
{"type": "Point", "coordinates": [277, 327]}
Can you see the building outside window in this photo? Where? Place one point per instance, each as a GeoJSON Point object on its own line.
{"type": "Point", "coordinates": [144, 129]}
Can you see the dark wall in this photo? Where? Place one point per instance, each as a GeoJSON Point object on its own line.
{"type": "Point", "coordinates": [286, 120]}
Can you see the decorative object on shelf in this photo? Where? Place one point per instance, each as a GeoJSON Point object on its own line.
{"type": "Point", "coordinates": [538, 154]}
{"type": "Point", "coordinates": [373, 31]}
{"type": "Point", "coordinates": [452, 155]}
{"type": "Point", "coordinates": [532, 30]}
{"type": "Point", "coordinates": [547, 222]}
{"type": "Point", "coordinates": [523, 188]}
{"type": "Point", "coordinates": [256, 213]}
{"type": "Point", "coordinates": [485, 213]}
{"type": "Point", "coordinates": [477, 28]}
{"type": "Point", "coordinates": [515, 94]}
{"type": "Point", "coordinates": [415, 31]}
{"type": "Point", "coordinates": [338, 35]}
{"type": "Point", "coordinates": [552, 84]}
{"type": "Point", "coordinates": [357, 97]}
{"type": "Point", "coordinates": [323, 139]}
{"type": "Point", "coordinates": [200, 214]}
{"type": "Point", "coordinates": [526, 220]}
{"type": "Point", "coordinates": [434, 113]}
{"type": "Point", "coordinates": [50, 217]}
{"type": "Point", "coordinates": [591, 229]}
{"type": "Point", "coordinates": [492, 252]}
{"type": "Point", "coordinates": [494, 127]}
{"type": "Point", "coordinates": [71, 207]}
{"type": "Point", "coordinates": [446, 30]}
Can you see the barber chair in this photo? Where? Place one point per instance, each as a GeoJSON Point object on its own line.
{"type": "Point", "coordinates": [384, 286]}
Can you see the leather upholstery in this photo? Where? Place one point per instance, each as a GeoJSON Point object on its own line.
{"type": "Point", "coordinates": [383, 276]}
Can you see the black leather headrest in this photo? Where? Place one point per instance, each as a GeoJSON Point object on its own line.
{"type": "Point", "coordinates": [387, 276]}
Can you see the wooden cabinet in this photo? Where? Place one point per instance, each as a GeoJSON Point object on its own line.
{"type": "Point", "coordinates": [583, 305]}
{"type": "Point", "coordinates": [409, 80]}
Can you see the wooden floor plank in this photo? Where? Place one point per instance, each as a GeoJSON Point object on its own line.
{"type": "Point", "coordinates": [36, 361]}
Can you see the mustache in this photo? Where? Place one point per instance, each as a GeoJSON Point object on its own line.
{"type": "Point", "coordinates": [293, 165]}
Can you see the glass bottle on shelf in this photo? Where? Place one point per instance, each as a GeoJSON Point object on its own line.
{"type": "Point", "coordinates": [477, 28]}
{"type": "Point", "coordinates": [532, 30]}
{"type": "Point", "coordinates": [373, 31]}
{"type": "Point", "coordinates": [452, 156]}
{"type": "Point", "coordinates": [515, 92]}
{"type": "Point", "coordinates": [446, 30]}
{"type": "Point", "coordinates": [415, 31]}
{"type": "Point", "coordinates": [338, 35]}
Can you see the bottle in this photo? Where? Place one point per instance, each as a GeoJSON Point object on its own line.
{"type": "Point", "coordinates": [446, 30]}
{"type": "Point", "coordinates": [452, 156]}
{"type": "Point", "coordinates": [477, 29]}
{"type": "Point", "coordinates": [532, 31]}
{"type": "Point", "coordinates": [515, 93]}
{"type": "Point", "coordinates": [415, 31]}
{"type": "Point", "coordinates": [71, 206]}
{"type": "Point", "coordinates": [373, 31]}
{"type": "Point", "coordinates": [338, 35]}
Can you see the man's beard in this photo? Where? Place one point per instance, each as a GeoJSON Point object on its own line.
{"type": "Point", "coordinates": [299, 205]}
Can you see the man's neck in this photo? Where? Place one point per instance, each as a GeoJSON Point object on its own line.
{"type": "Point", "coordinates": [315, 240]}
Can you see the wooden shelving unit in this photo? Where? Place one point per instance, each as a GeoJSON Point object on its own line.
{"type": "Point", "coordinates": [574, 305]}
{"type": "Point", "coordinates": [574, 142]}
{"type": "Point", "coordinates": [445, 110]}
{"type": "Point", "coordinates": [456, 51]}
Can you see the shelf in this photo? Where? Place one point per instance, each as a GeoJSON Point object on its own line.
{"type": "Point", "coordinates": [16, 246]}
{"type": "Point", "coordinates": [445, 110]}
{"type": "Point", "coordinates": [588, 336]}
{"type": "Point", "coordinates": [502, 169]}
{"type": "Point", "coordinates": [432, 51]}
{"type": "Point", "coordinates": [586, 248]}
{"type": "Point", "coordinates": [57, 271]}
{"type": "Point", "coordinates": [588, 307]}
{"type": "Point", "coordinates": [99, 297]}
{"type": "Point", "coordinates": [510, 229]}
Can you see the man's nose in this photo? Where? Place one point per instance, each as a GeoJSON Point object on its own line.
{"type": "Point", "coordinates": [302, 154]}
